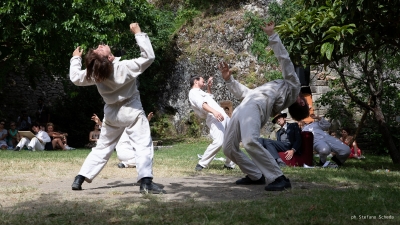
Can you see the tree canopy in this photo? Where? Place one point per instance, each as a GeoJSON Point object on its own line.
{"type": "Point", "coordinates": [41, 35]}
{"type": "Point", "coordinates": [325, 31]}
{"type": "Point", "coordinates": [360, 40]}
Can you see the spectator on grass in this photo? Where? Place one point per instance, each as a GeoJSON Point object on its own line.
{"type": "Point", "coordinates": [13, 137]}
{"type": "Point", "coordinates": [3, 135]}
{"type": "Point", "coordinates": [36, 143]}
{"type": "Point", "coordinates": [94, 135]}
{"type": "Point", "coordinates": [288, 140]}
{"type": "Point", "coordinates": [349, 140]}
{"type": "Point", "coordinates": [58, 139]}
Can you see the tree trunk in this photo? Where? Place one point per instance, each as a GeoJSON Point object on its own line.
{"type": "Point", "coordinates": [387, 137]}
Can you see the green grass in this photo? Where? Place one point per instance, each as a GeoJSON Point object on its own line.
{"type": "Point", "coordinates": [361, 192]}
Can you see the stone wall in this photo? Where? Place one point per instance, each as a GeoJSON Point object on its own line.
{"type": "Point", "coordinates": [18, 94]}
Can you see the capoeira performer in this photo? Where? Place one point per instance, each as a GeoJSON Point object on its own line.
{"type": "Point", "coordinates": [125, 151]}
{"type": "Point", "coordinates": [324, 143]}
{"type": "Point", "coordinates": [37, 143]}
{"type": "Point", "coordinates": [257, 106]}
{"type": "Point", "coordinates": [116, 83]}
{"type": "Point", "coordinates": [217, 120]}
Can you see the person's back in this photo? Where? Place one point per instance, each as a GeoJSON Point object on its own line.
{"type": "Point", "coordinates": [116, 83]}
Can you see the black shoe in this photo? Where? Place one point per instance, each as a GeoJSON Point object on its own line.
{"type": "Point", "coordinates": [17, 148]}
{"type": "Point", "coordinates": [336, 160]}
{"type": "Point", "coordinates": [247, 181]}
{"type": "Point", "coordinates": [121, 165]}
{"type": "Point", "coordinates": [198, 167]}
{"type": "Point", "coordinates": [281, 183]}
{"type": "Point", "coordinates": [77, 185]}
{"type": "Point", "coordinates": [147, 186]}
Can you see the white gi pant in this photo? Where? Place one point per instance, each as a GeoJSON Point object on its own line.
{"type": "Point", "coordinates": [324, 146]}
{"type": "Point", "coordinates": [129, 117]}
{"type": "Point", "coordinates": [217, 130]}
{"type": "Point", "coordinates": [245, 125]}
{"type": "Point", "coordinates": [125, 152]}
{"type": "Point", "coordinates": [34, 143]}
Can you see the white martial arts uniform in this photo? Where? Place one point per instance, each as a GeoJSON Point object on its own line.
{"type": "Point", "coordinates": [324, 143]}
{"type": "Point", "coordinates": [125, 153]}
{"type": "Point", "coordinates": [255, 110]}
{"type": "Point", "coordinates": [35, 143]}
{"type": "Point", "coordinates": [217, 129]}
{"type": "Point", "coordinates": [123, 111]}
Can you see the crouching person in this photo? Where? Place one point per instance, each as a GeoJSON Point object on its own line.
{"type": "Point", "coordinates": [36, 143]}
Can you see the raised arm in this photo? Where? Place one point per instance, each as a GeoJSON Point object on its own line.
{"type": "Point", "coordinates": [282, 55]}
{"type": "Point", "coordinates": [135, 67]}
{"type": "Point", "coordinates": [237, 89]}
{"type": "Point", "coordinates": [76, 74]}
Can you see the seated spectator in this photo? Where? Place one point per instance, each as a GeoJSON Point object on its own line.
{"type": "Point", "coordinates": [24, 121]}
{"type": "Point", "coordinates": [37, 143]}
{"type": "Point", "coordinates": [288, 140]}
{"type": "Point", "coordinates": [13, 136]}
{"type": "Point", "coordinates": [93, 136]}
{"type": "Point", "coordinates": [58, 139]}
{"type": "Point", "coordinates": [324, 144]}
{"type": "Point", "coordinates": [3, 135]}
{"type": "Point", "coordinates": [355, 150]}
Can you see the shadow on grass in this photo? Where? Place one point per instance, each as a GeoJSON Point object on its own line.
{"type": "Point", "coordinates": [317, 206]}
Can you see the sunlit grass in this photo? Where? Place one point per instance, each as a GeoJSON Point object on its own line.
{"type": "Point", "coordinates": [368, 187]}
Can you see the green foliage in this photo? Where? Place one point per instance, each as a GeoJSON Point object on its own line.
{"type": "Point", "coordinates": [194, 128]}
{"type": "Point", "coordinates": [277, 13]}
{"type": "Point", "coordinates": [325, 31]}
{"type": "Point", "coordinates": [161, 126]}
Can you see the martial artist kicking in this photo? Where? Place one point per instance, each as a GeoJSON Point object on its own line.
{"type": "Point", "coordinates": [324, 143]}
{"type": "Point", "coordinates": [256, 108]}
{"type": "Point", "coordinates": [217, 120]}
{"type": "Point", "coordinates": [116, 83]}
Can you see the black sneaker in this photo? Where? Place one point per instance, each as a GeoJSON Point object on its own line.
{"type": "Point", "coordinates": [17, 148]}
{"type": "Point", "coordinates": [336, 160]}
{"type": "Point", "coordinates": [281, 183]}
{"type": "Point", "coordinates": [147, 186]}
{"type": "Point", "coordinates": [121, 165]}
{"type": "Point", "coordinates": [198, 167]}
{"type": "Point", "coordinates": [247, 181]}
{"type": "Point", "coordinates": [77, 184]}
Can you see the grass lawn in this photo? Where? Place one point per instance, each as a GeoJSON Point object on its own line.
{"type": "Point", "coordinates": [361, 192]}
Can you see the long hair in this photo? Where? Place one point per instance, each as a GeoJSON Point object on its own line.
{"type": "Point", "coordinates": [98, 67]}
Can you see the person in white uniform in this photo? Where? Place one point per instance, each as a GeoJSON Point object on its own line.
{"type": "Point", "coordinates": [324, 143]}
{"type": "Point", "coordinates": [116, 83]}
{"type": "Point", "coordinates": [36, 143]}
{"type": "Point", "coordinates": [257, 106]}
{"type": "Point", "coordinates": [204, 106]}
{"type": "Point", "coordinates": [125, 152]}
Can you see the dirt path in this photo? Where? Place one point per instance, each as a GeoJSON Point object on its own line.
{"type": "Point", "coordinates": [199, 188]}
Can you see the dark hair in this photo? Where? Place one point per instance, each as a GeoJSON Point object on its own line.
{"type": "Point", "coordinates": [193, 78]}
{"type": "Point", "coordinates": [35, 124]}
{"type": "Point", "coordinates": [348, 130]}
{"type": "Point", "coordinates": [98, 67]}
{"type": "Point", "coordinates": [299, 112]}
